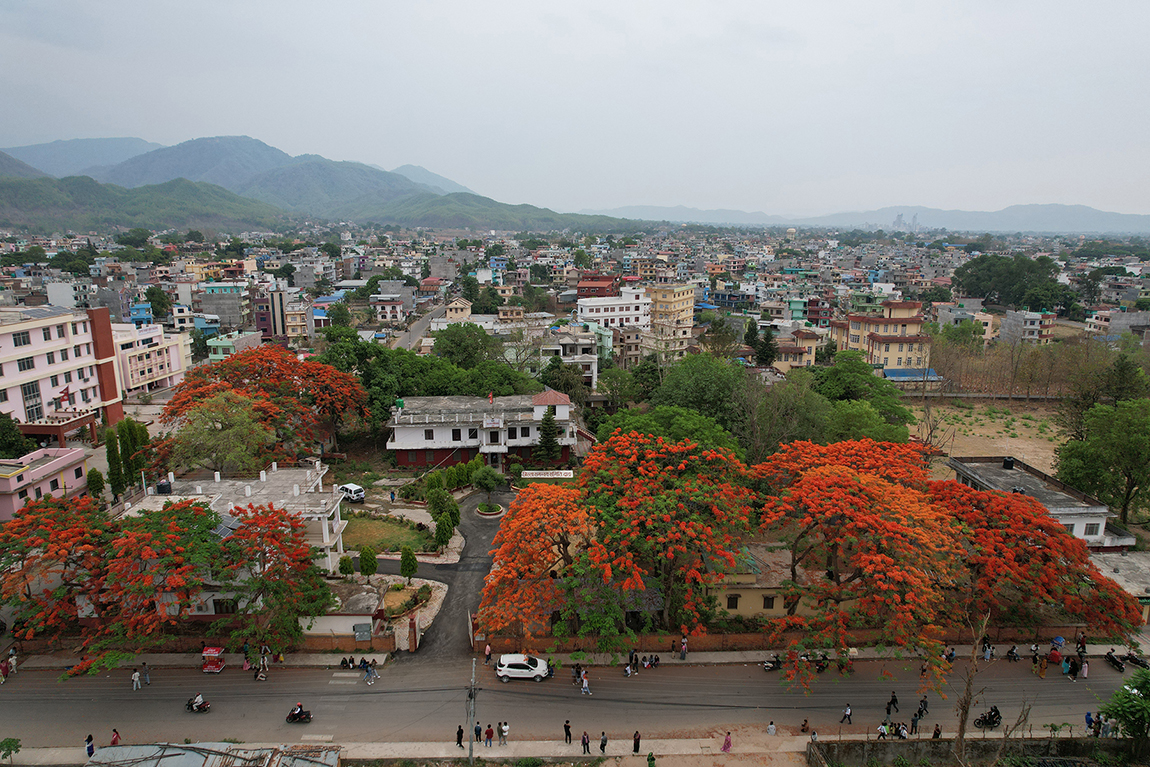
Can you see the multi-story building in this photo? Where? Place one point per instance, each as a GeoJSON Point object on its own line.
{"type": "Point", "coordinates": [958, 312]}
{"type": "Point", "coordinates": [672, 317]}
{"type": "Point", "coordinates": [141, 314]}
{"type": "Point", "coordinates": [430, 432]}
{"type": "Point", "coordinates": [577, 348]}
{"type": "Point", "coordinates": [220, 347]}
{"type": "Point", "coordinates": [149, 359]}
{"type": "Point", "coordinates": [797, 350]}
{"type": "Point", "coordinates": [284, 314]}
{"type": "Point", "coordinates": [230, 301]}
{"type": "Point", "coordinates": [596, 285]}
{"type": "Point", "coordinates": [894, 339]}
{"type": "Point", "coordinates": [1027, 327]}
{"type": "Point", "coordinates": [631, 307]}
{"type": "Point", "coordinates": [58, 471]}
{"type": "Point", "coordinates": [1115, 323]}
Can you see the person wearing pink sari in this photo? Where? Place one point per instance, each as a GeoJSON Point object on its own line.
{"type": "Point", "coordinates": [727, 744]}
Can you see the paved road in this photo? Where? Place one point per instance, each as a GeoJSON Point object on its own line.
{"type": "Point", "coordinates": [409, 339]}
{"type": "Point", "coordinates": [425, 701]}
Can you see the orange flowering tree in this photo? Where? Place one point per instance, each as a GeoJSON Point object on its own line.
{"type": "Point", "coordinates": [291, 397]}
{"type": "Point", "coordinates": [669, 517]}
{"type": "Point", "coordinates": [895, 462]}
{"type": "Point", "coordinates": [545, 529]}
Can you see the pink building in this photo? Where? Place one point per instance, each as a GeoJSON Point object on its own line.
{"type": "Point", "coordinates": [61, 472]}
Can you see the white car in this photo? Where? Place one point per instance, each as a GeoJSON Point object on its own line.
{"type": "Point", "coordinates": [518, 666]}
{"type": "Point", "coordinates": [352, 493]}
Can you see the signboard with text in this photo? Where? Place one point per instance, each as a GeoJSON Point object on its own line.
{"type": "Point", "coordinates": [553, 474]}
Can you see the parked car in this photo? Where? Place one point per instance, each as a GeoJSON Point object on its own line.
{"type": "Point", "coordinates": [519, 666]}
{"type": "Point", "coordinates": [352, 493]}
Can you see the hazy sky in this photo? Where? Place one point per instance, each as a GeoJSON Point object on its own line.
{"type": "Point", "coordinates": [785, 107]}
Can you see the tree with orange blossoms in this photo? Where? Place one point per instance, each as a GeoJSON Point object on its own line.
{"type": "Point", "coordinates": [290, 396]}
{"type": "Point", "coordinates": [881, 550]}
{"type": "Point", "coordinates": [668, 517]}
{"type": "Point", "coordinates": [895, 462]}
{"type": "Point", "coordinates": [1022, 568]}
{"type": "Point", "coordinates": [545, 529]}
{"type": "Point", "coordinates": [271, 575]}
{"type": "Point", "coordinates": [52, 551]}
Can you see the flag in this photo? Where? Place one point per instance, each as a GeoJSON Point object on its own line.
{"type": "Point", "coordinates": [491, 398]}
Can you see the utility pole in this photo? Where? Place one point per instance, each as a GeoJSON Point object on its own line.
{"type": "Point", "coordinates": [471, 716]}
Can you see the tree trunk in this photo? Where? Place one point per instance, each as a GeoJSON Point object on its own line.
{"type": "Point", "coordinates": [966, 699]}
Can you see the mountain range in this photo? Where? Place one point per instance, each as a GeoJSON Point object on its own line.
{"type": "Point", "coordinates": [236, 170]}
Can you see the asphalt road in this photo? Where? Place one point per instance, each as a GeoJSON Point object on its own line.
{"type": "Point", "coordinates": [409, 339]}
{"type": "Point", "coordinates": [426, 701]}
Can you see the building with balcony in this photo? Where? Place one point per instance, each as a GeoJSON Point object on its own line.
{"type": "Point", "coordinates": [796, 350]}
{"type": "Point", "coordinates": [578, 348]}
{"type": "Point", "coordinates": [284, 314]}
{"type": "Point", "coordinates": [672, 318]}
{"type": "Point", "coordinates": [893, 339]}
{"type": "Point", "coordinates": [433, 432]}
{"type": "Point", "coordinates": [1026, 327]}
{"type": "Point", "coordinates": [595, 285]}
{"type": "Point", "coordinates": [220, 347]}
{"type": "Point", "coordinates": [631, 307]}
{"type": "Point", "coordinates": [141, 314]}
{"type": "Point", "coordinates": [57, 471]}
{"type": "Point", "coordinates": [150, 359]}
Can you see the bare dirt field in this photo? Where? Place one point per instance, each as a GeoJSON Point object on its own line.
{"type": "Point", "coordinates": [1026, 431]}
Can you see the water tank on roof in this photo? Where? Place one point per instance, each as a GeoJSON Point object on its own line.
{"type": "Point", "coordinates": [1008, 463]}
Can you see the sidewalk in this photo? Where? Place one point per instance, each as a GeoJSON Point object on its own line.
{"type": "Point", "coordinates": [62, 660]}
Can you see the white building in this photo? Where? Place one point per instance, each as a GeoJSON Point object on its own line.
{"type": "Point", "coordinates": [631, 308]}
{"type": "Point", "coordinates": [147, 358]}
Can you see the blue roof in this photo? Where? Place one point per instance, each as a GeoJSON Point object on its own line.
{"type": "Point", "coordinates": [317, 312]}
{"type": "Point", "coordinates": [911, 374]}
{"type": "Point", "coordinates": [705, 306]}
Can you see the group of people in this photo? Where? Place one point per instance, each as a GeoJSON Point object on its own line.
{"type": "Point", "coordinates": [1101, 726]}
{"type": "Point", "coordinates": [1071, 666]}
{"type": "Point", "coordinates": [634, 662]}
{"type": "Point", "coordinates": [484, 736]}
{"type": "Point", "coordinates": [8, 665]}
{"type": "Point", "coordinates": [579, 677]}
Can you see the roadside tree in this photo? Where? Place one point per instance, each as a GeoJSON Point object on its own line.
{"type": "Point", "coordinates": [1112, 461]}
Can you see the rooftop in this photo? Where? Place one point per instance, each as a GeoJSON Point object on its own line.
{"type": "Point", "coordinates": [1054, 494]}
{"type": "Point", "coordinates": [299, 490]}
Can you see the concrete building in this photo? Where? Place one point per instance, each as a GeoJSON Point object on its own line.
{"type": "Point", "coordinates": [578, 348]}
{"type": "Point", "coordinates": [1083, 516]}
{"type": "Point", "coordinates": [796, 350]}
{"type": "Point", "coordinates": [433, 432]}
{"type": "Point", "coordinates": [227, 300]}
{"type": "Point", "coordinates": [672, 318]}
{"type": "Point", "coordinates": [284, 314]}
{"type": "Point", "coordinates": [894, 339]}
{"type": "Point", "coordinates": [220, 347]}
{"type": "Point", "coordinates": [147, 358]}
{"type": "Point", "coordinates": [631, 307]}
{"type": "Point", "coordinates": [963, 311]}
{"type": "Point", "coordinates": [56, 471]}
{"type": "Point", "coordinates": [1027, 327]}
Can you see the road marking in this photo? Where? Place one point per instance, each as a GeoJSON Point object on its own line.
{"type": "Point", "coordinates": [344, 681]}
{"type": "Point", "coordinates": [355, 674]}
{"type": "Point", "coordinates": [322, 738]}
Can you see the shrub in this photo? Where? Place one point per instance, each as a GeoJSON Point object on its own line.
{"type": "Point", "coordinates": [408, 564]}
{"type": "Point", "coordinates": [489, 508]}
{"type": "Point", "coordinates": [345, 565]}
{"type": "Point", "coordinates": [443, 530]}
{"type": "Point", "coordinates": [450, 478]}
{"type": "Point", "coordinates": [424, 593]}
{"type": "Point", "coordinates": [434, 481]}
{"type": "Point", "coordinates": [368, 564]}
{"type": "Point", "coordinates": [517, 471]}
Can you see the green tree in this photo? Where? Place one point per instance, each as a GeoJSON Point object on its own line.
{"type": "Point", "coordinates": [547, 449]}
{"type": "Point", "coordinates": [13, 444]}
{"type": "Point", "coordinates": [134, 238]}
{"type": "Point", "coordinates": [1112, 461]}
{"type": "Point", "coordinates": [368, 564]}
{"type": "Point", "coordinates": [194, 235]}
{"type": "Point", "coordinates": [780, 413]}
{"type": "Point", "coordinates": [648, 377]}
{"type": "Point", "coordinates": [540, 274]}
{"type": "Point", "coordinates": [751, 336]}
{"type": "Point", "coordinates": [1130, 705]}
{"type": "Point", "coordinates": [286, 272]}
{"type": "Point", "coordinates": [469, 288]}
{"type": "Point", "coordinates": [200, 347]}
{"type": "Point", "coordinates": [825, 354]}
{"type": "Point", "coordinates": [95, 483]}
{"type": "Point", "coordinates": [851, 378]}
{"type": "Point", "coordinates": [673, 424]}
{"type": "Point", "coordinates": [161, 303]}
{"type": "Point", "coordinates": [618, 385]}
{"type": "Point", "coordinates": [115, 465]}
{"type": "Point", "coordinates": [582, 259]}
{"type": "Point", "coordinates": [443, 530]}
{"type": "Point", "coordinates": [346, 566]}
{"type": "Point", "coordinates": [857, 419]}
{"type": "Point", "coordinates": [768, 349]}
{"type": "Point", "coordinates": [408, 564]}
{"type": "Point", "coordinates": [330, 249]}
{"type": "Point", "coordinates": [134, 441]}
{"type": "Point", "coordinates": [487, 479]}
{"type": "Point", "coordinates": [339, 315]}
{"type": "Point", "coordinates": [935, 294]}
{"type": "Point", "coordinates": [466, 344]}
{"type": "Point", "coordinates": [565, 378]}
{"type": "Point", "coordinates": [720, 339]}
{"type": "Point", "coordinates": [705, 384]}
{"type": "Point", "coordinates": [222, 433]}
{"type": "Point", "coordinates": [9, 747]}
{"type": "Point", "coordinates": [488, 301]}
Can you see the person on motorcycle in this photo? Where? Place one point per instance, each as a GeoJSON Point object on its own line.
{"type": "Point", "coordinates": [297, 710]}
{"type": "Point", "coordinates": [198, 701]}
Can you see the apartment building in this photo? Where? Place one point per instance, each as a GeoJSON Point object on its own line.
{"type": "Point", "coordinates": [1027, 327]}
{"type": "Point", "coordinates": [432, 432]}
{"type": "Point", "coordinates": [58, 369]}
{"type": "Point", "coordinates": [148, 358]}
{"type": "Point", "coordinates": [284, 314]}
{"type": "Point", "coordinates": [894, 339]}
{"type": "Point", "coordinates": [577, 348]}
{"type": "Point", "coordinates": [959, 312]}
{"type": "Point", "coordinates": [631, 307]}
{"type": "Point", "coordinates": [58, 471]}
{"type": "Point", "coordinates": [672, 317]}
{"type": "Point", "coordinates": [223, 346]}
{"type": "Point", "coordinates": [230, 301]}
{"type": "Point", "coordinates": [796, 350]}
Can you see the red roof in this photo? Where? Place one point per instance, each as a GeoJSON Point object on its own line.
{"type": "Point", "coordinates": [550, 397]}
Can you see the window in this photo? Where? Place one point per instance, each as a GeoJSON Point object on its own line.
{"type": "Point", "coordinates": [525, 432]}
{"type": "Point", "coordinates": [47, 334]}
{"type": "Point", "coordinates": [63, 355]}
{"type": "Point", "coordinates": [54, 484]}
{"type": "Point", "coordinates": [23, 338]}
{"type": "Point", "coordinates": [768, 603]}
{"type": "Point", "coordinates": [493, 438]}
{"type": "Point", "coordinates": [59, 331]}
{"type": "Point", "coordinates": [886, 347]}
{"type": "Point", "coordinates": [1070, 528]}
{"type": "Point", "coordinates": [39, 493]}
{"type": "Point", "coordinates": [51, 358]}
{"type": "Point", "coordinates": [1091, 529]}
{"type": "Point", "coordinates": [26, 363]}
{"type": "Point", "coordinates": [74, 329]}
{"type": "Point", "coordinates": [33, 405]}
{"type": "Point", "coordinates": [68, 377]}
{"type": "Point", "coordinates": [732, 601]}
{"type": "Point", "coordinates": [900, 347]}
{"type": "Point", "coordinates": [3, 395]}
{"type": "Point", "coordinates": [79, 472]}
{"type": "Point", "coordinates": [473, 433]}
{"type": "Point", "coordinates": [22, 494]}
{"type": "Point", "coordinates": [429, 455]}
{"type": "Point", "coordinates": [512, 433]}
{"type": "Point", "coordinates": [225, 606]}
{"type": "Point", "coordinates": [429, 434]}
{"type": "Point", "coordinates": [412, 456]}
{"type": "Point", "coordinates": [457, 435]}
{"type": "Point", "coordinates": [76, 350]}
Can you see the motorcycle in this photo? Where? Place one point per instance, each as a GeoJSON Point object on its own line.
{"type": "Point", "coordinates": [203, 708]}
{"type": "Point", "coordinates": [1137, 660]}
{"type": "Point", "coordinates": [1115, 661]}
{"type": "Point", "coordinates": [773, 664]}
{"type": "Point", "coordinates": [1012, 654]}
{"type": "Point", "coordinates": [821, 664]}
{"type": "Point", "coordinates": [303, 717]}
{"type": "Point", "coordinates": [990, 719]}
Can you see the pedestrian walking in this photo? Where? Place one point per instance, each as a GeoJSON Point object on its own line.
{"type": "Point", "coordinates": [726, 749]}
{"type": "Point", "coordinates": [575, 674]}
{"type": "Point", "coordinates": [115, 737]}
{"type": "Point", "coordinates": [635, 747]}
{"type": "Point", "coordinates": [12, 660]}
{"type": "Point", "coordinates": [586, 741]}
{"type": "Point", "coordinates": [3, 671]}
{"type": "Point", "coordinates": [805, 726]}
{"type": "Point", "coordinates": [459, 736]}
{"type": "Point", "coordinates": [1042, 662]}
{"type": "Point", "coordinates": [1074, 670]}
{"type": "Point", "coordinates": [488, 735]}
{"type": "Point", "coordinates": [487, 655]}
{"type": "Point", "coordinates": [478, 732]}
{"type": "Point", "coordinates": [135, 679]}
{"type": "Point", "coordinates": [567, 732]}
{"type": "Point", "coordinates": [586, 690]}
{"type": "Point", "coordinates": [393, 496]}
{"type": "Point", "coordinates": [914, 723]}
{"type": "Point", "coordinates": [882, 732]}
{"type": "Point", "coordinates": [603, 744]}
{"type": "Point", "coordinates": [846, 715]}
{"type": "Point", "coordinates": [503, 734]}
{"type": "Point", "coordinates": [683, 648]}
{"type": "Point", "coordinates": [89, 746]}
{"type": "Point", "coordinates": [893, 702]}
{"type": "Point", "coordinates": [771, 728]}
{"type": "Point", "coordinates": [923, 707]}
{"type": "Point", "coordinates": [937, 733]}
{"type": "Point", "coordinates": [1085, 668]}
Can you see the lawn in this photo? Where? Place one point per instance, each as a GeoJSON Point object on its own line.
{"type": "Point", "coordinates": [385, 535]}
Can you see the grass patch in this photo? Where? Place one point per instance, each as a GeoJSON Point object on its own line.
{"type": "Point", "coordinates": [385, 535]}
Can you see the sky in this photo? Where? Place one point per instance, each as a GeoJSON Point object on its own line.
{"type": "Point", "coordinates": [796, 108]}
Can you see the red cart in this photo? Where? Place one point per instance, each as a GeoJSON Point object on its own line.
{"type": "Point", "coordinates": [213, 660]}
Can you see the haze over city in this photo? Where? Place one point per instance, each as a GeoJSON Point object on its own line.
{"type": "Point", "coordinates": [779, 107]}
